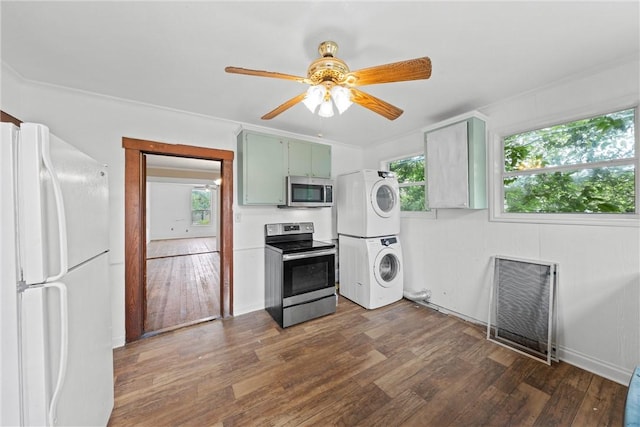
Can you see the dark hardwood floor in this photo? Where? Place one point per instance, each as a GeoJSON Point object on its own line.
{"type": "Point", "coordinates": [399, 365]}
{"type": "Point", "coordinates": [183, 283]}
{"type": "Point", "coordinates": [173, 247]}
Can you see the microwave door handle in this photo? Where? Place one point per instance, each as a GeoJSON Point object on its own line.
{"type": "Point", "coordinates": [308, 255]}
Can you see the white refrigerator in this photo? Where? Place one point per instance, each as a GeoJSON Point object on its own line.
{"type": "Point", "coordinates": [55, 306]}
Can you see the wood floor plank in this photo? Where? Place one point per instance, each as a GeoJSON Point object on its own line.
{"type": "Point", "coordinates": [400, 365]}
{"type": "Point", "coordinates": [397, 411]}
{"type": "Point", "coordinates": [570, 398]}
{"type": "Point", "coordinates": [603, 405]}
{"type": "Point", "coordinates": [520, 408]}
{"type": "Point", "coordinates": [183, 283]}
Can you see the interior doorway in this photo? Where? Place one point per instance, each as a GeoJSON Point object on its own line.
{"type": "Point", "coordinates": [136, 225]}
{"type": "Point", "coordinates": [182, 285]}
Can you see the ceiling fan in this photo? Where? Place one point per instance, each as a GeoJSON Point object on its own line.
{"type": "Point", "coordinates": [330, 80]}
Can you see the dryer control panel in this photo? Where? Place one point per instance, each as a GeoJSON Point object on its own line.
{"type": "Point", "coordinates": [386, 174]}
{"type": "Point", "coordinates": [388, 241]}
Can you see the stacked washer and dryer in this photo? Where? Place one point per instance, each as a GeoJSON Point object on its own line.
{"type": "Point", "coordinates": [370, 255]}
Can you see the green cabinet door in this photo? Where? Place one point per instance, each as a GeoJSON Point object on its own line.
{"type": "Point", "coordinates": [299, 158]}
{"type": "Point", "coordinates": [309, 159]}
{"type": "Point", "coordinates": [262, 168]}
{"type": "Point", "coordinates": [321, 160]}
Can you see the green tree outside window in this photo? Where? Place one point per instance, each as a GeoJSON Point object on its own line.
{"type": "Point", "coordinates": [410, 174]}
{"type": "Point", "coordinates": [200, 206]}
{"type": "Point", "coordinates": [585, 166]}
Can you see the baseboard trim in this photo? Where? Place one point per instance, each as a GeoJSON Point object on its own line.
{"type": "Point", "coordinates": [598, 367]}
{"type": "Point", "coordinates": [118, 341]}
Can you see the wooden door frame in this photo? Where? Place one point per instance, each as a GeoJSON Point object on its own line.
{"type": "Point", "coordinates": [135, 225]}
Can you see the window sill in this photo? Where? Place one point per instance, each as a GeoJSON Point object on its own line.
{"type": "Point", "coordinates": [602, 220]}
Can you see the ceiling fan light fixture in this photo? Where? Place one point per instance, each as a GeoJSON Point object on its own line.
{"type": "Point", "coordinates": [341, 97]}
{"type": "Point", "coordinates": [314, 97]}
{"type": "Point", "coordinates": [326, 109]}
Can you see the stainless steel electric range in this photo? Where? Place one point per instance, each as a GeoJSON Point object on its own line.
{"type": "Point", "coordinates": [300, 281]}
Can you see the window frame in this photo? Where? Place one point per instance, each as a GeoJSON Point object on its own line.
{"type": "Point", "coordinates": [428, 212]}
{"type": "Point", "coordinates": [496, 177]}
{"type": "Point", "coordinates": [198, 210]}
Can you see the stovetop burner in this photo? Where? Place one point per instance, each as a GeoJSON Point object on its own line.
{"type": "Point", "coordinates": [293, 238]}
{"type": "Point", "coordinates": [301, 246]}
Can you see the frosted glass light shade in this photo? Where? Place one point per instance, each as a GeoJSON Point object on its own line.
{"type": "Point", "coordinates": [341, 97]}
{"type": "Point", "coordinates": [326, 109]}
{"type": "Point", "coordinates": [315, 95]}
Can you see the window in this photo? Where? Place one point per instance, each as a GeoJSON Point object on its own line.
{"type": "Point", "coordinates": [200, 206]}
{"type": "Point", "coordinates": [410, 174]}
{"type": "Point", "coordinates": [586, 166]}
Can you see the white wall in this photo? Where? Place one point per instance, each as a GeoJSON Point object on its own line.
{"type": "Point", "coordinates": [599, 279]}
{"type": "Point", "coordinates": [96, 125]}
{"type": "Point", "coordinates": [170, 212]}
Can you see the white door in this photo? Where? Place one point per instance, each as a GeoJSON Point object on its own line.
{"type": "Point", "coordinates": [86, 393]}
{"type": "Point", "coordinates": [63, 199]}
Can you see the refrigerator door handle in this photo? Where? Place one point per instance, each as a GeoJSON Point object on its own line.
{"type": "Point", "coordinates": [62, 220]}
{"type": "Point", "coordinates": [64, 349]}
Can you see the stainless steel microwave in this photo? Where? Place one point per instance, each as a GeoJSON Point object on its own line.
{"type": "Point", "coordinates": [304, 191]}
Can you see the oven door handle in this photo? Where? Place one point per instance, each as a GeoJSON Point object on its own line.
{"type": "Point", "coordinates": [291, 257]}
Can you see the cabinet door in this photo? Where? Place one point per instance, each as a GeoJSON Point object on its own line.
{"type": "Point", "coordinates": [321, 160]}
{"type": "Point", "coordinates": [309, 159]}
{"type": "Point", "coordinates": [299, 158]}
{"type": "Point", "coordinates": [263, 167]}
{"type": "Point", "coordinates": [448, 167]}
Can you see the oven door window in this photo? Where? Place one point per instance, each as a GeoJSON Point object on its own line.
{"type": "Point", "coordinates": [308, 274]}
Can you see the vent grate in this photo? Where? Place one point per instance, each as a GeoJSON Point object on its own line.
{"type": "Point", "coordinates": [522, 308]}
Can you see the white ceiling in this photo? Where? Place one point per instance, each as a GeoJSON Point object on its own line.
{"type": "Point", "coordinates": [173, 54]}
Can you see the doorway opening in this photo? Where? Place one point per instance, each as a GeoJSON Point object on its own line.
{"type": "Point", "coordinates": [136, 228]}
{"type": "Point", "coordinates": [182, 247]}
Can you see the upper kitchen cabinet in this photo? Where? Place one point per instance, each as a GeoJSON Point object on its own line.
{"type": "Point", "coordinates": [309, 159]}
{"type": "Point", "coordinates": [261, 169]}
{"type": "Point", "coordinates": [456, 164]}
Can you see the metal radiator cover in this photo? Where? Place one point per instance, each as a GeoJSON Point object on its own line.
{"type": "Point", "coordinates": [522, 309]}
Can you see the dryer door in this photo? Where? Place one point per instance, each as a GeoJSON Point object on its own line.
{"type": "Point", "coordinates": [384, 198]}
{"type": "Point", "coordinates": [386, 267]}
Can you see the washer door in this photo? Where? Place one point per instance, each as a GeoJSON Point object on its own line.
{"type": "Point", "coordinates": [383, 198]}
{"type": "Point", "coordinates": [386, 267]}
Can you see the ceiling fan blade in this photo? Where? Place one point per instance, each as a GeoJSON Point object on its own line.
{"type": "Point", "coordinates": [376, 105]}
{"type": "Point", "coordinates": [290, 103]}
{"type": "Point", "coordinates": [260, 73]}
{"type": "Point", "coordinates": [412, 69]}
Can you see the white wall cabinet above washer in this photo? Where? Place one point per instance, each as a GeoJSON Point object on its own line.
{"type": "Point", "coordinates": [456, 165]}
